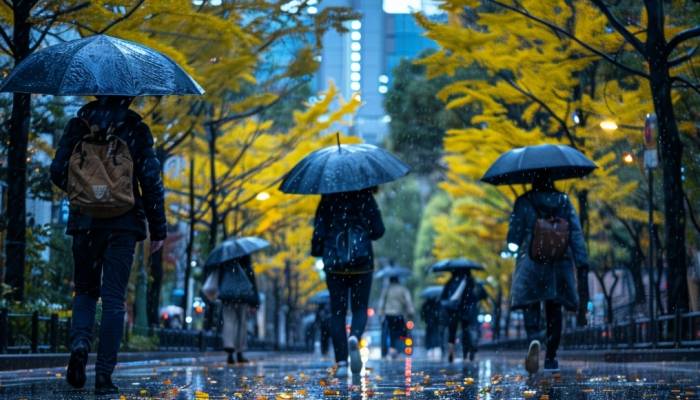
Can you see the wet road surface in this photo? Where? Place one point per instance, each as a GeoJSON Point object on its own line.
{"type": "Point", "coordinates": [281, 377]}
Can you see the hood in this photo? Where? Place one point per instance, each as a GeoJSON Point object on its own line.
{"type": "Point", "coordinates": [105, 119]}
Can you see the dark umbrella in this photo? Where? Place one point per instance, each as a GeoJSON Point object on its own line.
{"type": "Point", "coordinates": [100, 65]}
{"type": "Point", "coordinates": [343, 168]}
{"type": "Point", "coordinates": [320, 297]}
{"type": "Point", "coordinates": [431, 292]}
{"type": "Point", "coordinates": [456, 264]}
{"type": "Point", "coordinates": [392, 271]}
{"type": "Point", "coordinates": [234, 248]}
{"type": "Point", "coordinates": [524, 164]}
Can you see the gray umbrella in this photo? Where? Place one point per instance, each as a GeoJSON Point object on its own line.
{"type": "Point", "coordinates": [524, 164]}
{"type": "Point", "coordinates": [431, 292]}
{"type": "Point", "coordinates": [393, 271]}
{"type": "Point", "coordinates": [234, 248]}
{"type": "Point", "coordinates": [320, 298]}
{"type": "Point", "coordinates": [343, 168]}
{"type": "Point", "coordinates": [100, 65]}
{"type": "Point", "coordinates": [456, 264]}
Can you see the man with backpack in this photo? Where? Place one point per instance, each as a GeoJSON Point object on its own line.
{"type": "Point", "coordinates": [546, 234]}
{"type": "Point", "coordinates": [106, 163]}
{"type": "Point", "coordinates": [345, 225]}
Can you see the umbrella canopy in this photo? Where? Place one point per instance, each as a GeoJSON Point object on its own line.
{"type": "Point", "coordinates": [100, 65]}
{"type": "Point", "coordinates": [392, 271]}
{"type": "Point", "coordinates": [234, 248]}
{"type": "Point", "coordinates": [343, 168]}
{"type": "Point", "coordinates": [320, 298]}
{"type": "Point", "coordinates": [524, 164]}
{"type": "Point", "coordinates": [431, 292]}
{"type": "Point", "coordinates": [456, 264]}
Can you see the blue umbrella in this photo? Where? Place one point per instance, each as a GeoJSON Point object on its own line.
{"type": "Point", "coordinates": [235, 248]}
{"type": "Point", "coordinates": [100, 65]}
{"type": "Point", "coordinates": [320, 298]}
{"type": "Point", "coordinates": [343, 168]}
{"type": "Point", "coordinates": [525, 164]}
{"type": "Point", "coordinates": [456, 264]}
{"type": "Point", "coordinates": [431, 292]}
{"type": "Point", "coordinates": [392, 271]}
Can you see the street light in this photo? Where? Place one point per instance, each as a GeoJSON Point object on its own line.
{"type": "Point", "coordinates": [608, 125]}
{"type": "Point", "coordinates": [262, 196]}
{"type": "Point", "coordinates": [627, 157]}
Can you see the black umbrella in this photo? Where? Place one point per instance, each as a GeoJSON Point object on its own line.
{"type": "Point", "coordinates": [234, 248]}
{"type": "Point", "coordinates": [393, 271]}
{"type": "Point", "coordinates": [456, 264]}
{"type": "Point", "coordinates": [343, 168]}
{"type": "Point", "coordinates": [100, 65]}
{"type": "Point", "coordinates": [320, 297]}
{"type": "Point", "coordinates": [431, 292]}
{"type": "Point", "coordinates": [524, 164]}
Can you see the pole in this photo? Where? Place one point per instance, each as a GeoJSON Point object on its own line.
{"type": "Point", "coordinates": [652, 316]}
{"type": "Point", "coordinates": [190, 242]}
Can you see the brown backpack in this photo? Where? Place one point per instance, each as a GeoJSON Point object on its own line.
{"type": "Point", "coordinates": [100, 175]}
{"type": "Point", "coordinates": [550, 238]}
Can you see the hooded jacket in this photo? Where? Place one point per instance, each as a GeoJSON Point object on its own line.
{"type": "Point", "coordinates": [148, 184]}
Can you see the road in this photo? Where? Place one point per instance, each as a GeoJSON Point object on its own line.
{"type": "Point", "coordinates": [279, 377]}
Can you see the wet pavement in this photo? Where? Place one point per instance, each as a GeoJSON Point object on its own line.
{"type": "Point", "coordinates": [281, 377]}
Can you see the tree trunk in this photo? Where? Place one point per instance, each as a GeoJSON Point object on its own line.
{"type": "Point", "coordinates": [154, 285]}
{"type": "Point", "coordinates": [671, 152]}
{"type": "Point", "coordinates": [214, 226]}
{"type": "Point", "coordinates": [582, 284]}
{"type": "Point", "coordinates": [16, 241]}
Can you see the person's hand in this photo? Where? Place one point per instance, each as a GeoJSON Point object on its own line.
{"type": "Point", "coordinates": [156, 245]}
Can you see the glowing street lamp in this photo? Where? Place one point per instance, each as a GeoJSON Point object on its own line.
{"type": "Point", "coordinates": [627, 157]}
{"type": "Point", "coordinates": [262, 196]}
{"type": "Point", "coordinates": [608, 125]}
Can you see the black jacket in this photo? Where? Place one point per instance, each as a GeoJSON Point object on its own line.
{"type": "Point", "coordinates": [148, 184]}
{"type": "Point", "coordinates": [338, 210]}
{"type": "Point", "coordinates": [468, 306]}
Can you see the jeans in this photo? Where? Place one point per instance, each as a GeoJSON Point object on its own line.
{"type": "Point", "coordinates": [468, 336]}
{"type": "Point", "coordinates": [553, 315]}
{"type": "Point", "coordinates": [102, 265]}
{"type": "Point", "coordinates": [359, 286]}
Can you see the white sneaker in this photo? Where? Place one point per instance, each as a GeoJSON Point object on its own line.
{"type": "Point", "coordinates": [532, 361]}
{"type": "Point", "coordinates": [341, 370]}
{"type": "Point", "coordinates": [355, 359]}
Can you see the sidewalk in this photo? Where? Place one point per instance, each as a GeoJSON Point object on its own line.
{"type": "Point", "coordinates": [10, 362]}
{"type": "Point", "coordinates": [618, 356]}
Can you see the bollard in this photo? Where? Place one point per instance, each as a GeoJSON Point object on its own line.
{"type": "Point", "coordinates": [35, 332]}
{"type": "Point", "coordinates": [53, 333]}
{"type": "Point", "coordinates": [3, 330]}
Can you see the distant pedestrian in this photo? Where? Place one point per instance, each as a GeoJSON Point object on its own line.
{"type": "Point", "coordinates": [430, 313]}
{"type": "Point", "coordinates": [346, 223]}
{"type": "Point", "coordinates": [546, 234]}
{"type": "Point", "coordinates": [105, 161]}
{"type": "Point", "coordinates": [239, 296]}
{"type": "Point", "coordinates": [460, 299]}
{"type": "Point", "coordinates": [396, 308]}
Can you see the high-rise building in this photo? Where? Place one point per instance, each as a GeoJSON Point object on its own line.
{"type": "Point", "coordinates": [360, 62]}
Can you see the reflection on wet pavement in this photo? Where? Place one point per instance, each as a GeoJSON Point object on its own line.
{"type": "Point", "coordinates": [303, 377]}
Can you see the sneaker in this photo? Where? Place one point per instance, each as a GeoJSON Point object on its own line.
{"type": "Point", "coordinates": [75, 375]}
{"type": "Point", "coordinates": [104, 385]}
{"type": "Point", "coordinates": [355, 359]}
{"type": "Point", "coordinates": [551, 365]}
{"type": "Point", "coordinates": [532, 361]}
{"type": "Point", "coordinates": [241, 359]}
{"type": "Point", "coordinates": [341, 369]}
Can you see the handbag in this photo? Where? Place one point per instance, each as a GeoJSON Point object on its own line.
{"type": "Point", "coordinates": [210, 290]}
{"type": "Point", "coordinates": [235, 286]}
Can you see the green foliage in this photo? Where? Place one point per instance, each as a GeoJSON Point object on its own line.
{"type": "Point", "coordinates": [400, 204]}
{"type": "Point", "coordinates": [439, 204]}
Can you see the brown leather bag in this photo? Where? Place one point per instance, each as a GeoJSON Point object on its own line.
{"type": "Point", "coordinates": [550, 238]}
{"type": "Point", "coordinates": [100, 176]}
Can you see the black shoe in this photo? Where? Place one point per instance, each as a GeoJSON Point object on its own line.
{"type": "Point", "coordinates": [75, 375]}
{"type": "Point", "coordinates": [104, 385]}
{"type": "Point", "coordinates": [551, 365]}
{"type": "Point", "coordinates": [229, 359]}
{"type": "Point", "coordinates": [241, 359]}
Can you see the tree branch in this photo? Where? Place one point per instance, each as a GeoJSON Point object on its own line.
{"type": "Point", "coordinates": [686, 83]}
{"type": "Point", "coordinates": [681, 59]}
{"type": "Point", "coordinates": [691, 212]}
{"type": "Point", "coordinates": [682, 37]}
{"type": "Point", "coordinates": [558, 29]}
{"type": "Point", "coordinates": [122, 18]}
{"type": "Point", "coordinates": [10, 43]}
{"type": "Point", "coordinates": [626, 34]}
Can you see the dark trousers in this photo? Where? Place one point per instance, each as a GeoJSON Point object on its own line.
{"type": "Point", "coordinates": [553, 315]}
{"type": "Point", "coordinates": [342, 288]}
{"type": "Point", "coordinates": [433, 334]}
{"type": "Point", "coordinates": [468, 339]}
{"type": "Point", "coordinates": [102, 264]}
{"type": "Point", "coordinates": [396, 326]}
{"type": "Point", "coordinates": [325, 337]}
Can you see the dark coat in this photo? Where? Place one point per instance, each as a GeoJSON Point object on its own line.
{"type": "Point", "coordinates": [148, 184]}
{"type": "Point", "coordinates": [535, 282]}
{"type": "Point", "coordinates": [468, 307]}
{"type": "Point", "coordinates": [338, 211]}
{"type": "Point", "coordinates": [246, 265]}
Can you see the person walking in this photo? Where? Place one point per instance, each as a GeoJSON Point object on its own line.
{"type": "Point", "coordinates": [396, 308]}
{"type": "Point", "coordinates": [460, 299]}
{"type": "Point", "coordinates": [106, 222]}
{"type": "Point", "coordinates": [546, 235]}
{"type": "Point", "coordinates": [239, 296]}
{"type": "Point", "coordinates": [430, 314]}
{"type": "Point", "coordinates": [345, 225]}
